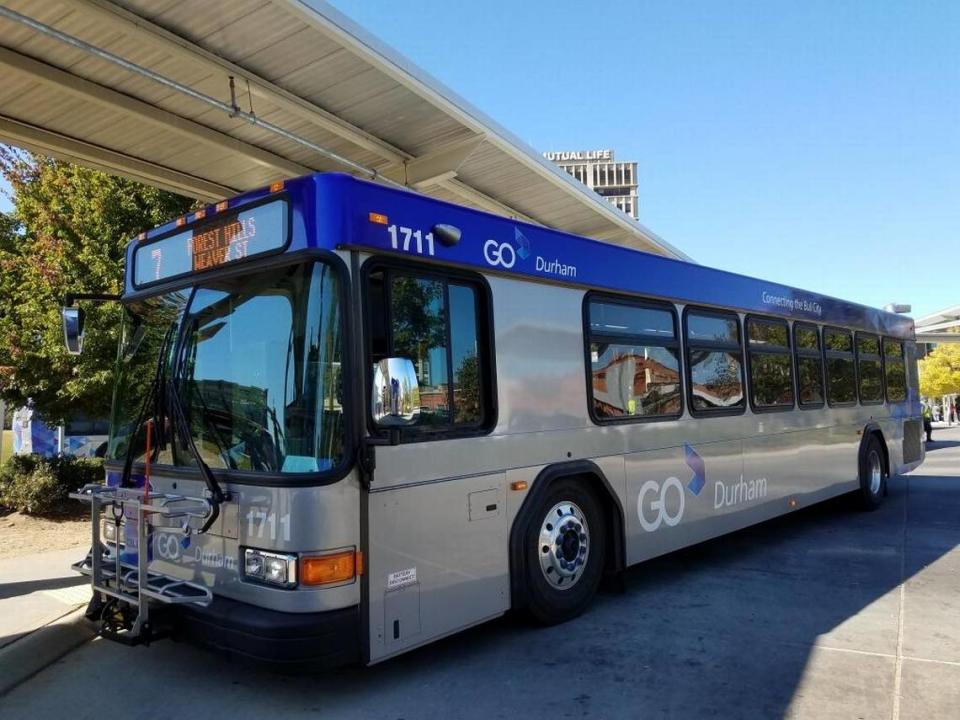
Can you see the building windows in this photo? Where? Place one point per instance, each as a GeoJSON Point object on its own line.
{"type": "Point", "coordinates": [634, 356]}
{"type": "Point", "coordinates": [841, 371]}
{"type": "Point", "coordinates": [895, 370]}
{"type": "Point", "coordinates": [616, 181]}
{"type": "Point", "coordinates": [714, 371]}
{"type": "Point", "coordinates": [439, 323]}
{"type": "Point", "coordinates": [806, 343]}
{"type": "Point", "coordinates": [869, 369]}
{"type": "Point", "coordinates": [771, 365]}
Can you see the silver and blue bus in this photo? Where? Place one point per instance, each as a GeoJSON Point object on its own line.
{"type": "Point", "coordinates": [350, 419]}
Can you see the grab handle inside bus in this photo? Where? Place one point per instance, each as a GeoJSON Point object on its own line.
{"type": "Point", "coordinates": [395, 395]}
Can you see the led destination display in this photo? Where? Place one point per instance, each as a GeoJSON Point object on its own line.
{"type": "Point", "coordinates": [223, 240]}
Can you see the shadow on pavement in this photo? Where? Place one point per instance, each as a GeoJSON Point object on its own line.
{"type": "Point", "coordinates": [15, 589]}
{"type": "Point", "coordinates": [724, 629]}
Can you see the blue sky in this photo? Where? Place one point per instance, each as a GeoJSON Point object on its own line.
{"type": "Point", "coordinates": [811, 143]}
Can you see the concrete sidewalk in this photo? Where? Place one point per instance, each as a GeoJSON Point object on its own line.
{"type": "Point", "coordinates": [41, 612]}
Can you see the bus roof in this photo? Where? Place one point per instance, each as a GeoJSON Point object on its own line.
{"type": "Point", "coordinates": [349, 212]}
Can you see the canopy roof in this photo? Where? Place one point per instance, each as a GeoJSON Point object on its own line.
{"type": "Point", "coordinates": [218, 97]}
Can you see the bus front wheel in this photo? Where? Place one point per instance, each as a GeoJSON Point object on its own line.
{"type": "Point", "coordinates": [872, 475]}
{"type": "Point", "coordinates": [564, 545]}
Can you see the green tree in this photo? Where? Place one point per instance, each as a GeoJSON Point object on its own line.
{"type": "Point", "coordinates": [940, 371]}
{"type": "Point", "coordinates": [67, 233]}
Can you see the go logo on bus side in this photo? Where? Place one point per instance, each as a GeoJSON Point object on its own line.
{"type": "Point", "coordinates": [653, 512]}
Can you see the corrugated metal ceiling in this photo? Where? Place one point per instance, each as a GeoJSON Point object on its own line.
{"type": "Point", "coordinates": [299, 65]}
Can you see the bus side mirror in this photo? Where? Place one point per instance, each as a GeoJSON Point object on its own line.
{"type": "Point", "coordinates": [395, 395]}
{"type": "Point", "coordinates": [72, 329]}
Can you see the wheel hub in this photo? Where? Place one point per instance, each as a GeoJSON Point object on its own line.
{"type": "Point", "coordinates": [876, 473]}
{"type": "Point", "coordinates": [564, 545]}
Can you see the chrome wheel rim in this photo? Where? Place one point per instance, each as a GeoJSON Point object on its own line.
{"type": "Point", "coordinates": [564, 545]}
{"type": "Point", "coordinates": [876, 472]}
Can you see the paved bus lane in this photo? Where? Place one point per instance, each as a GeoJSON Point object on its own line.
{"type": "Point", "coordinates": [829, 613]}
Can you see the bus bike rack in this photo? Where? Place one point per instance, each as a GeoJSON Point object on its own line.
{"type": "Point", "coordinates": [129, 586]}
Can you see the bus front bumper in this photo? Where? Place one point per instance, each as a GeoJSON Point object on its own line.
{"type": "Point", "coordinates": [324, 639]}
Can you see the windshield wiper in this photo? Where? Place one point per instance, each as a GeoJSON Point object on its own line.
{"type": "Point", "coordinates": [182, 428]}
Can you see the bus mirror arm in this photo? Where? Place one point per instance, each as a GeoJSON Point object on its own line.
{"type": "Point", "coordinates": [367, 453]}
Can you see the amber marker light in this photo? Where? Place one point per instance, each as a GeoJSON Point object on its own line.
{"type": "Point", "coordinates": [518, 485]}
{"type": "Point", "coordinates": [276, 187]}
{"type": "Point", "coordinates": [334, 568]}
{"type": "Point", "coordinates": [199, 214]}
{"type": "Point", "coordinates": [221, 206]}
{"type": "Point", "coordinates": [181, 221]}
{"type": "Point", "coordinates": [378, 218]}
{"type": "Point", "coordinates": [793, 503]}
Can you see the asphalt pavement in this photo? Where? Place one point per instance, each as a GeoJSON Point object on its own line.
{"type": "Point", "coordinates": [827, 613]}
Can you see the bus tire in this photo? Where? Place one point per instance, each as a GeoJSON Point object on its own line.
{"type": "Point", "coordinates": [564, 545]}
{"type": "Point", "coordinates": [873, 479]}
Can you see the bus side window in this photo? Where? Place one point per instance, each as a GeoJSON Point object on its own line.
{"type": "Point", "coordinates": [841, 369]}
{"type": "Point", "coordinates": [869, 370]}
{"type": "Point", "coordinates": [895, 370]}
{"type": "Point", "coordinates": [634, 360]}
{"type": "Point", "coordinates": [714, 362]}
{"type": "Point", "coordinates": [806, 343]}
{"type": "Point", "coordinates": [771, 365]}
{"type": "Point", "coordinates": [436, 322]}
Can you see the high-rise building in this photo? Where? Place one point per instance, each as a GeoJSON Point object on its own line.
{"type": "Point", "coordinates": [597, 169]}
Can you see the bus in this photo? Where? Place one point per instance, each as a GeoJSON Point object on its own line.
{"type": "Point", "coordinates": [350, 419]}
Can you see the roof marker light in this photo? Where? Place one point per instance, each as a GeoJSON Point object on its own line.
{"type": "Point", "coordinates": [378, 218]}
{"type": "Point", "coordinates": [142, 236]}
{"type": "Point", "coordinates": [200, 214]}
{"type": "Point", "coordinates": [276, 187]}
{"type": "Point", "coordinates": [181, 221]}
{"type": "Point", "coordinates": [221, 206]}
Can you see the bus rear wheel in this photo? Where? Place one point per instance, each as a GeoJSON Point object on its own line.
{"type": "Point", "coordinates": [565, 545]}
{"type": "Point", "coordinates": [872, 475]}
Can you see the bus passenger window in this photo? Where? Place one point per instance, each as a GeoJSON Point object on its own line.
{"type": "Point", "coordinates": [841, 372]}
{"type": "Point", "coordinates": [869, 369]}
{"type": "Point", "coordinates": [771, 367]}
{"type": "Point", "coordinates": [714, 372]}
{"type": "Point", "coordinates": [806, 342]}
{"type": "Point", "coordinates": [435, 322]}
{"type": "Point", "coordinates": [634, 361]}
{"type": "Point", "coordinates": [895, 370]}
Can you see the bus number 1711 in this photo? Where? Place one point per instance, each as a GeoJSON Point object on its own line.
{"type": "Point", "coordinates": [400, 238]}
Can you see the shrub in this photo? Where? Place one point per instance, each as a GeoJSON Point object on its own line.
{"type": "Point", "coordinates": [36, 485]}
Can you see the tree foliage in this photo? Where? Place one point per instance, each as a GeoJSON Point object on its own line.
{"type": "Point", "coordinates": [940, 371]}
{"type": "Point", "coordinates": [67, 233]}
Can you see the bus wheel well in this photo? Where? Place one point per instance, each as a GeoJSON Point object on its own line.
{"type": "Point", "coordinates": [593, 478]}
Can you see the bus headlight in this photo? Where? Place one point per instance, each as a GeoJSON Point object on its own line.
{"type": "Point", "coordinates": [271, 568]}
{"type": "Point", "coordinates": [108, 532]}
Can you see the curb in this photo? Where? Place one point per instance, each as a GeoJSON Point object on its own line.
{"type": "Point", "coordinates": [24, 658]}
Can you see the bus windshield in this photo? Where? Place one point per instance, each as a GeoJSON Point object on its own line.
{"type": "Point", "coordinates": [255, 361]}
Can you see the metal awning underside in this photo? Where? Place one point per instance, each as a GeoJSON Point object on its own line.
{"type": "Point", "coordinates": [305, 68]}
{"type": "Point", "coordinates": [940, 327]}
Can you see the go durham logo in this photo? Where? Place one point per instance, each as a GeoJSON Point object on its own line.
{"type": "Point", "coordinates": [654, 506]}
{"type": "Point", "coordinates": [505, 254]}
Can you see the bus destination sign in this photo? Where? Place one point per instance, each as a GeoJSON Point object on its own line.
{"type": "Point", "coordinates": [223, 240]}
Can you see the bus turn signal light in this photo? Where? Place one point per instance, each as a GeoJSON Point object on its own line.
{"type": "Point", "coordinates": [518, 485]}
{"type": "Point", "coordinates": [326, 569]}
{"type": "Point", "coordinates": [378, 218]}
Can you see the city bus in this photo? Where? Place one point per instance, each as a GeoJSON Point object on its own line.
{"type": "Point", "coordinates": [350, 419]}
